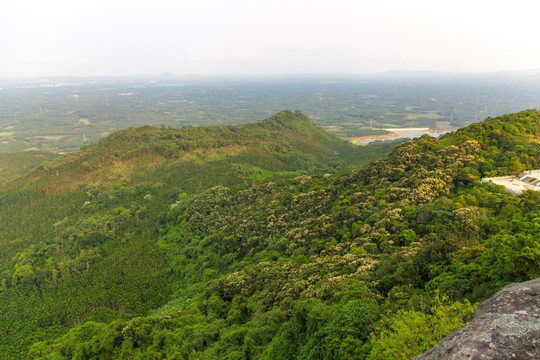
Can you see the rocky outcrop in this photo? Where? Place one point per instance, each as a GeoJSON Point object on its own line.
{"type": "Point", "coordinates": [506, 326]}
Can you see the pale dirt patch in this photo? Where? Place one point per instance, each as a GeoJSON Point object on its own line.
{"type": "Point", "coordinates": [49, 137]}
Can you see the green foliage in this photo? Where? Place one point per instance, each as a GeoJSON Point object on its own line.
{"type": "Point", "coordinates": [253, 246]}
{"type": "Point", "coordinates": [19, 163]}
{"type": "Point", "coordinates": [406, 334]}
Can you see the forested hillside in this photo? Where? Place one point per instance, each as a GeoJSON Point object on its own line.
{"type": "Point", "coordinates": [78, 234]}
{"type": "Point", "coordinates": [19, 163]}
{"type": "Point", "coordinates": [246, 243]}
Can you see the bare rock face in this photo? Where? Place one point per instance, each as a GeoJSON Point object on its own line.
{"type": "Point", "coordinates": [506, 326]}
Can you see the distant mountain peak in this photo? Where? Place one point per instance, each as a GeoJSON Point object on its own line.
{"type": "Point", "coordinates": [288, 140]}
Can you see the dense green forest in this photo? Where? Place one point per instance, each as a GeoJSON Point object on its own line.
{"type": "Point", "coordinates": [18, 163]}
{"type": "Point", "coordinates": [272, 240]}
{"type": "Point", "coordinates": [79, 232]}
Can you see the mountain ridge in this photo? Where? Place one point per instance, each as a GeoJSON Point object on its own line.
{"type": "Point", "coordinates": [261, 264]}
{"type": "Point", "coordinates": [288, 133]}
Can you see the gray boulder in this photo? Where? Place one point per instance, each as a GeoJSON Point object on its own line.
{"type": "Point", "coordinates": [506, 326]}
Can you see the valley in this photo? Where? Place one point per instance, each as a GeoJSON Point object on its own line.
{"type": "Point", "coordinates": [61, 114]}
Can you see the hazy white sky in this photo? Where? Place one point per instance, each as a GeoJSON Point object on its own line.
{"type": "Point", "coordinates": [117, 37]}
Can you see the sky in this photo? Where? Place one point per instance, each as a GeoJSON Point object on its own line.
{"type": "Point", "coordinates": [227, 37]}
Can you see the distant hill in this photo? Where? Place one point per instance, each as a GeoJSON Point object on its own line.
{"type": "Point", "coordinates": [287, 141]}
{"type": "Point", "coordinates": [270, 240]}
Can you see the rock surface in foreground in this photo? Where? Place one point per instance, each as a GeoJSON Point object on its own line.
{"type": "Point", "coordinates": [506, 326]}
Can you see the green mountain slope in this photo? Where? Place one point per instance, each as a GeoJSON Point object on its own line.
{"type": "Point", "coordinates": [15, 164]}
{"type": "Point", "coordinates": [379, 262]}
{"type": "Point", "coordinates": [127, 250]}
{"type": "Point", "coordinates": [78, 233]}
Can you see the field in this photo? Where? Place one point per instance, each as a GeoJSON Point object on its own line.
{"type": "Point", "coordinates": [61, 114]}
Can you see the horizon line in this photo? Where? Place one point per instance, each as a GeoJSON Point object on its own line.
{"type": "Point", "coordinates": [395, 72]}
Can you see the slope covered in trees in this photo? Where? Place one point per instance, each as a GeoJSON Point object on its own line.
{"type": "Point", "coordinates": [380, 261]}
{"type": "Point", "coordinates": [15, 164]}
{"type": "Point", "coordinates": [78, 234]}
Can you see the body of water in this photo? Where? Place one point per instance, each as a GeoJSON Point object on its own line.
{"type": "Point", "coordinates": [404, 133]}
